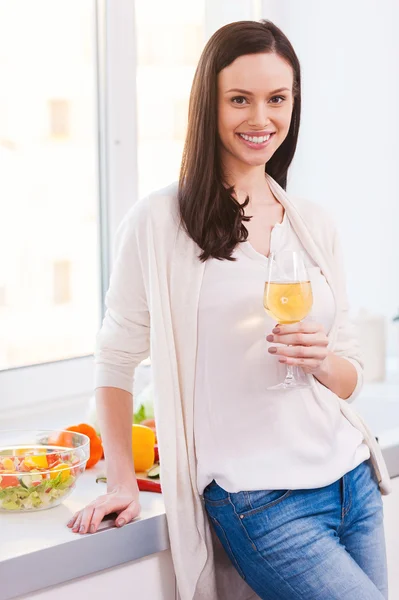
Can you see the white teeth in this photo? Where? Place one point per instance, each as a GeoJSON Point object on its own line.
{"type": "Point", "coordinates": [257, 139]}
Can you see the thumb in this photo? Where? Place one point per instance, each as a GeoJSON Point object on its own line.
{"type": "Point", "coordinates": [130, 513]}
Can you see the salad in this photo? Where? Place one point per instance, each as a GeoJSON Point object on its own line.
{"type": "Point", "coordinates": [37, 478]}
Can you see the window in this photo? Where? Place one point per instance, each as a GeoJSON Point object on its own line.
{"type": "Point", "coordinates": [2, 295]}
{"type": "Point", "coordinates": [62, 293]}
{"type": "Point", "coordinates": [93, 114]}
{"type": "Point", "coordinates": [49, 195]}
{"type": "Point", "coordinates": [59, 118]}
{"type": "Point", "coordinates": [170, 40]}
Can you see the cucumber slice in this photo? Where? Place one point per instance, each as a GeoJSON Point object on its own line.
{"type": "Point", "coordinates": [154, 472]}
{"type": "Point", "coordinates": [29, 480]}
{"type": "Point", "coordinates": [26, 481]}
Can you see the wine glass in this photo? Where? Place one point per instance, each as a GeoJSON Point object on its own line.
{"type": "Point", "coordinates": [288, 298]}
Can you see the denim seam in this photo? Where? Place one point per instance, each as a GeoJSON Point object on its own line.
{"type": "Point", "coordinates": [296, 595]}
{"type": "Point", "coordinates": [254, 511]}
{"type": "Point", "coordinates": [222, 502]}
{"type": "Point", "coordinates": [235, 562]}
{"type": "Point", "coordinates": [239, 520]}
{"type": "Point", "coordinates": [348, 499]}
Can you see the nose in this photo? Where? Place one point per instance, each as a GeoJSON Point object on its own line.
{"type": "Point", "coordinates": [259, 115]}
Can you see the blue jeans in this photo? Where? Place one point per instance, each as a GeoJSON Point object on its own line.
{"type": "Point", "coordinates": [315, 544]}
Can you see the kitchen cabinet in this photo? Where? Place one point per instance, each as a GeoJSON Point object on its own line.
{"type": "Point", "coordinates": [150, 578]}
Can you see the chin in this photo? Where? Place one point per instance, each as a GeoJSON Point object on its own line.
{"type": "Point", "coordinates": [255, 161]}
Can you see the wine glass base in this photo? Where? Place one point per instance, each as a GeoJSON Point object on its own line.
{"type": "Point", "coordinates": [289, 386]}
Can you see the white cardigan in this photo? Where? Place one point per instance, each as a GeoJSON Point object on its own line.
{"type": "Point", "coordinates": [152, 305]}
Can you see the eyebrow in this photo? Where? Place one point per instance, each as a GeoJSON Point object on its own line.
{"type": "Point", "coordinates": [282, 89]}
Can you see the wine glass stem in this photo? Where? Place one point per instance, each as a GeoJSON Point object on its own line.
{"type": "Point", "coordinates": [290, 377]}
{"type": "Point", "coordinates": [290, 374]}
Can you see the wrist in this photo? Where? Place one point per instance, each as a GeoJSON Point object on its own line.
{"type": "Point", "coordinates": [120, 475]}
{"type": "Point", "coordinates": [129, 485]}
{"type": "Point", "coordinates": [324, 369]}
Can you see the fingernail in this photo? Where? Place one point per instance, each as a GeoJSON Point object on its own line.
{"type": "Point", "coordinates": [81, 530]}
{"type": "Point", "coordinates": [282, 360]}
{"type": "Point", "coordinates": [92, 528]}
{"type": "Point", "coordinates": [273, 350]}
{"type": "Point", "coordinates": [276, 330]}
{"type": "Point", "coordinates": [121, 522]}
{"type": "Point", "coordinates": [270, 338]}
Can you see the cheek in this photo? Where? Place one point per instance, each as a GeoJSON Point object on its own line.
{"type": "Point", "coordinates": [228, 122]}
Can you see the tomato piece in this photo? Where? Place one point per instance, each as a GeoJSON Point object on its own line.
{"type": "Point", "coordinates": [9, 481]}
{"type": "Point", "coordinates": [52, 459]}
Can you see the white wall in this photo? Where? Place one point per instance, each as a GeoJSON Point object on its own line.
{"type": "Point", "coordinates": [348, 152]}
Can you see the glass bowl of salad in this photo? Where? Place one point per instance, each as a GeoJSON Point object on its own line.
{"type": "Point", "coordinates": [39, 468]}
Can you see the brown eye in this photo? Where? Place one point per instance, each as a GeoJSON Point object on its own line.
{"type": "Point", "coordinates": [282, 98]}
{"type": "Point", "coordinates": [238, 98]}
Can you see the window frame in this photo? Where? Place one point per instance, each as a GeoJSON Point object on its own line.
{"type": "Point", "coordinates": [115, 63]}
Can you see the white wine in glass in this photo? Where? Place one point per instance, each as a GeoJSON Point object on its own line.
{"type": "Point", "coordinates": [288, 298]}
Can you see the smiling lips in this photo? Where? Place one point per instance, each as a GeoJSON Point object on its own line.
{"type": "Point", "coordinates": [256, 141]}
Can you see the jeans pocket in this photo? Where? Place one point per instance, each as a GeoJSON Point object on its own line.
{"type": "Point", "coordinates": [260, 500]}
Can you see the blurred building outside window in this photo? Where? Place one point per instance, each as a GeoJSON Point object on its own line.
{"type": "Point", "coordinates": [49, 240]}
{"type": "Point", "coordinates": [170, 39]}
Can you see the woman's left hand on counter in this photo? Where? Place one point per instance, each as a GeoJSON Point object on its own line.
{"type": "Point", "coordinates": [305, 345]}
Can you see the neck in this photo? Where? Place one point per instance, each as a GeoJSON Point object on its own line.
{"type": "Point", "coordinates": [250, 181]}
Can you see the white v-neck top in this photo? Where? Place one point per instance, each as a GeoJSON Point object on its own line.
{"type": "Point", "coordinates": [246, 436]}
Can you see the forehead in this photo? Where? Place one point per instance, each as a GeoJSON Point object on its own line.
{"type": "Point", "coordinates": [265, 71]}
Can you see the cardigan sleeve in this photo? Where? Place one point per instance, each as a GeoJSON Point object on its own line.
{"type": "Point", "coordinates": [346, 344]}
{"type": "Point", "coordinates": [123, 341]}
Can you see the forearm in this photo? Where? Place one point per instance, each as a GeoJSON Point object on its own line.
{"type": "Point", "coordinates": [337, 374]}
{"type": "Point", "coordinates": [115, 417]}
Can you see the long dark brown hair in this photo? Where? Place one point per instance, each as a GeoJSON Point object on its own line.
{"type": "Point", "coordinates": [209, 213]}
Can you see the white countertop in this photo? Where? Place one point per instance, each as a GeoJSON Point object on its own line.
{"type": "Point", "coordinates": [31, 539]}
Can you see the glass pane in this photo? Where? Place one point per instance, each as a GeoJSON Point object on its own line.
{"type": "Point", "coordinates": [170, 40]}
{"type": "Point", "coordinates": [49, 247]}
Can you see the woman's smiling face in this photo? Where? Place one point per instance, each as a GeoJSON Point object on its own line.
{"type": "Point", "coordinates": [254, 99]}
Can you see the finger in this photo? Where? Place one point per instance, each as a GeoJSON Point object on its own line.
{"type": "Point", "coordinates": [299, 352]}
{"type": "Point", "coordinates": [131, 512]}
{"type": "Point", "coordinates": [300, 339]}
{"type": "Point", "coordinates": [98, 515]}
{"type": "Point", "coordinates": [76, 527]}
{"type": "Point", "coordinates": [301, 327]}
{"type": "Point", "coordinates": [86, 519]}
{"type": "Point", "coordinates": [114, 505]}
{"type": "Point", "coordinates": [307, 364]}
{"type": "Point", "coordinates": [72, 520]}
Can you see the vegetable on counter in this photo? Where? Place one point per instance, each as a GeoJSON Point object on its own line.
{"type": "Point", "coordinates": [144, 485]}
{"type": "Point", "coordinates": [154, 472]}
{"type": "Point", "coordinates": [143, 443]}
{"type": "Point", "coordinates": [96, 447]}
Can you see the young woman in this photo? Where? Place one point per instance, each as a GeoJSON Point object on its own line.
{"type": "Point", "coordinates": [268, 494]}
